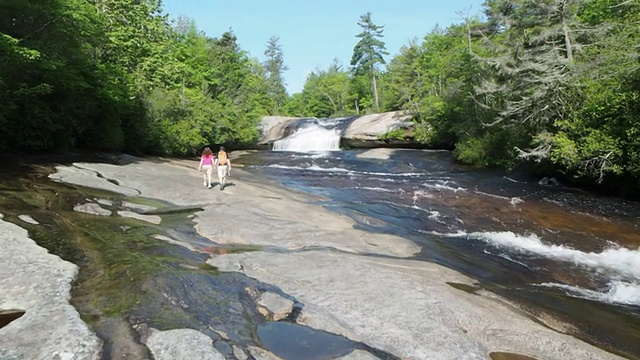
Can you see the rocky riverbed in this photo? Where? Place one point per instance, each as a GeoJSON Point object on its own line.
{"type": "Point", "coordinates": [307, 267]}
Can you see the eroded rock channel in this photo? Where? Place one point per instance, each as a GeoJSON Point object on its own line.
{"type": "Point", "coordinates": [163, 268]}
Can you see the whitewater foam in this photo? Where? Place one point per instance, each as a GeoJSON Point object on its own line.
{"type": "Point", "coordinates": [313, 138]}
{"type": "Point", "coordinates": [619, 267]}
{"type": "Point", "coordinates": [318, 168]}
{"type": "Point", "coordinates": [444, 186]}
{"type": "Point", "coordinates": [617, 292]}
{"type": "Point", "coordinates": [621, 261]}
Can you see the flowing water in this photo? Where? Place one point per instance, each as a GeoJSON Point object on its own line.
{"type": "Point", "coordinates": [560, 253]}
{"type": "Point", "coordinates": [131, 278]}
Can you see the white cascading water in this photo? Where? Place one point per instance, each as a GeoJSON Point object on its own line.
{"type": "Point", "coordinates": [312, 138]}
{"type": "Point", "coordinates": [621, 266]}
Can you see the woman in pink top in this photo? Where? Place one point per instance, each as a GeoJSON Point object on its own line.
{"type": "Point", "coordinates": [206, 164]}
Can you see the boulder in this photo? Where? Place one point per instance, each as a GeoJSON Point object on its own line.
{"type": "Point", "coordinates": [366, 130]}
{"type": "Point", "coordinates": [274, 306]}
{"type": "Point", "coordinates": [273, 128]}
{"type": "Point", "coordinates": [361, 131]}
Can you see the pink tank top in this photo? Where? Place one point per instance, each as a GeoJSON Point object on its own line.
{"type": "Point", "coordinates": [207, 160]}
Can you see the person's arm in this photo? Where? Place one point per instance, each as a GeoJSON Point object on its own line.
{"type": "Point", "coordinates": [215, 162]}
{"type": "Point", "coordinates": [228, 166]}
{"type": "Point", "coordinates": [200, 165]}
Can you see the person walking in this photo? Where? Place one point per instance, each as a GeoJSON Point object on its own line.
{"type": "Point", "coordinates": [206, 164]}
{"type": "Point", "coordinates": [223, 164]}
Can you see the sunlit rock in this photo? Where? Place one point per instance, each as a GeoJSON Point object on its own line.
{"type": "Point", "coordinates": [274, 306]}
{"type": "Point", "coordinates": [92, 208]}
{"type": "Point", "coordinates": [358, 355]}
{"type": "Point", "coordinates": [39, 284]}
{"type": "Point", "coordinates": [182, 344]}
{"type": "Point", "coordinates": [261, 354]}
{"type": "Point", "coordinates": [28, 219]}
{"type": "Point", "coordinates": [366, 130]}
{"type": "Point", "coordinates": [78, 175]}
{"type": "Point", "coordinates": [105, 202]}
{"type": "Point", "coordinates": [405, 307]}
{"type": "Point", "coordinates": [358, 131]}
{"type": "Point", "coordinates": [153, 219]}
{"type": "Point", "coordinates": [273, 128]}
{"type": "Point", "coordinates": [137, 207]}
{"type": "Point", "coordinates": [239, 353]}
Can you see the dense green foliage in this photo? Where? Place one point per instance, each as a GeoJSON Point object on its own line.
{"type": "Point", "coordinates": [553, 83]}
{"type": "Point", "coordinates": [117, 74]}
{"type": "Point", "coordinates": [549, 83]}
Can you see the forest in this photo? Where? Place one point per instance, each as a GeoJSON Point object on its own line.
{"type": "Point", "coordinates": [548, 85]}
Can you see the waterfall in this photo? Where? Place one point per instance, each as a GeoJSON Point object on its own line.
{"type": "Point", "coordinates": [312, 137]}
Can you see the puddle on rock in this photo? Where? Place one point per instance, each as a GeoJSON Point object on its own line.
{"type": "Point", "coordinates": [291, 341]}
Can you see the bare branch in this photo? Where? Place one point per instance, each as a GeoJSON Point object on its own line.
{"type": "Point", "coordinates": [598, 166]}
{"type": "Point", "coordinates": [538, 154]}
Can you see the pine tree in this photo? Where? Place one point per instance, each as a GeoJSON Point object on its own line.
{"type": "Point", "coordinates": [369, 51]}
{"type": "Point", "coordinates": [275, 67]}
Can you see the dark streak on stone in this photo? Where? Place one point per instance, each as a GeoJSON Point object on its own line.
{"type": "Point", "coordinates": [7, 316]}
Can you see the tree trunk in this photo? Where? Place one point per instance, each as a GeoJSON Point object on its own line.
{"type": "Point", "coordinates": [375, 90]}
{"type": "Point", "coordinates": [567, 41]}
{"type": "Point", "coordinates": [565, 30]}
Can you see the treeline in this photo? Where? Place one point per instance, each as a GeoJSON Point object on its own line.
{"type": "Point", "coordinates": [554, 83]}
{"type": "Point", "coordinates": [551, 83]}
{"type": "Point", "coordinates": [118, 75]}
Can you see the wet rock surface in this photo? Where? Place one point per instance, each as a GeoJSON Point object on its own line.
{"type": "Point", "coordinates": [354, 288]}
{"type": "Point", "coordinates": [343, 294]}
{"type": "Point", "coordinates": [93, 209]}
{"type": "Point", "coordinates": [38, 283]}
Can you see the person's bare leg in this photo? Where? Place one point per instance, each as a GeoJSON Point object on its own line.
{"type": "Point", "coordinates": [209, 173]}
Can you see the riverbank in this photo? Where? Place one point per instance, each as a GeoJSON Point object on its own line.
{"type": "Point", "coordinates": [343, 280]}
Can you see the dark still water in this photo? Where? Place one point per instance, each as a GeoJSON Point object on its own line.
{"type": "Point", "coordinates": [559, 253]}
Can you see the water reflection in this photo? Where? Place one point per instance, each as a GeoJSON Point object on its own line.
{"type": "Point", "coordinates": [292, 341]}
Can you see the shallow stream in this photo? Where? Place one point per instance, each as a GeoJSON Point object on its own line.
{"type": "Point", "coordinates": [131, 278]}
{"type": "Point", "coordinates": [560, 254]}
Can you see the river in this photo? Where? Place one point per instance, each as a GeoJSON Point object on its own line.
{"type": "Point", "coordinates": [560, 253]}
{"type": "Point", "coordinates": [569, 259]}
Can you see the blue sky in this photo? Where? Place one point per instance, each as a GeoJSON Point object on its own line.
{"type": "Point", "coordinates": [313, 33]}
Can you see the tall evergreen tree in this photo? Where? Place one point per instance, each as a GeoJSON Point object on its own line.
{"type": "Point", "coordinates": [530, 72]}
{"type": "Point", "coordinates": [369, 51]}
{"type": "Point", "coordinates": [275, 68]}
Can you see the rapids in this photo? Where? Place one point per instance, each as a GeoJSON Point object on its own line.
{"type": "Point", "coordinates": [559, 253]}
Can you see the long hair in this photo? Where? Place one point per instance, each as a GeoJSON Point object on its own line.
{"type": "Point", "coordinates": [207, 152]}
